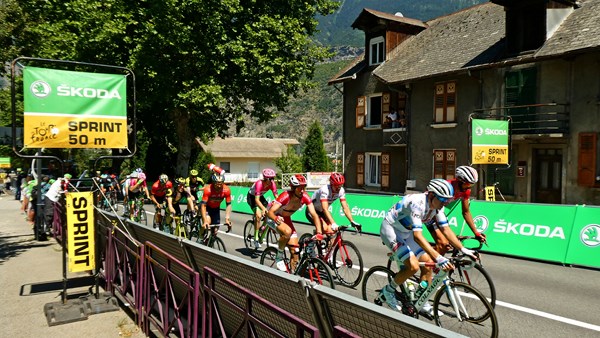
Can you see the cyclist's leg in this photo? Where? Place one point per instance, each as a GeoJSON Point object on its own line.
{"type": "Point", "coordinates": [294, 248]}
{"type": "Point", "coordinates": [441, 242]}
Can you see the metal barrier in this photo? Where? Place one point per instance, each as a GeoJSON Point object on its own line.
{"type": "Point", "coordinates": [238, 297]}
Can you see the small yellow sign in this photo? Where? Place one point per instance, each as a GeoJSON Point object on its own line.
{"type": "Point", "coordinates": [490, 193]}
{"type": "Point", "coordinates": [490, 154]}
{"type": "Point", "coordinates": [80, 231]}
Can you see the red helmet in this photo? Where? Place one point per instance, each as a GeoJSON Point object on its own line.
{"type": "Point", "coordinates": [268, 173]}
{"type": "Point", "coordinates": [297, 180]}
{"type": "Point", "coordinates": [336, 179]}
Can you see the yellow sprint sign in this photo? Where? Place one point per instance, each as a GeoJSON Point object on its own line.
{"type": "Point", "coordinates": [80, 231]}
{"type": "Point", "coordinates": [490, 154]}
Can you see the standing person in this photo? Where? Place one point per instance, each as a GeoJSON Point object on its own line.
{"type": "Point", "coordinates": [465, 177]}
{"type": "Point", "coordinates": [18, 183]}
{"type": "Point", "coordinates": [324, 197]}
{"type": "Point", "coordinates": [257, 202]}
{"type": "Point", "coordinates": [210, 205]}
{"type": "Point", "coordinates": [280, 212]}
{"type": "Point", "coordinates": [158, 196]}
{"type": "Point", "coordinates": [402, 232]}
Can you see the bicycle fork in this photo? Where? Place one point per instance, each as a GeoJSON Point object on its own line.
{"type": "Point", "coordinates": [456, 301]}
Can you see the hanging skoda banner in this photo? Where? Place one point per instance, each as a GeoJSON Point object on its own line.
{"type": "Point", "coordinates": [490, 142]}
{"type": "Point", "coordinates": [67, 109]}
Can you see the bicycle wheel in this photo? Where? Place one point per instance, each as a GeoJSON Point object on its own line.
{"type": "Point", "coordinates": [217, 243]}
{"type": "Point", "coordinates": [143, 218]}
{"type": "Point", "coordinates": [375, 279]}
{"type": "Point", "coordinates": [478, 278]}
{"type": "Point", "coordinates": [272, 237]}
{"type": "Point", "coordinates": [347, 264]}
{"type": "Point", "coordinates": [249, 234]}
{"type": "Point", "coordinates": [317, 271]}
{"type": "Point", "coordinates": [475, 316]}
{"type": "Point", "coordinates": [267, 257]}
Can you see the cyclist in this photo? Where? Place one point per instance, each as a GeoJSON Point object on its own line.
{"type": "Point", "coordinates": [402, 232]}
{"type": "Point", "coordinates": [136, 188]}
{"type": "Point", "coordinates": [324, 197]}
{"type": "Point", "coordinates": [465, 177]}
{"type": "Point", "coordinates": [158, 196]}
{"type": "Point", "coordinates": [280, 212]}
{"type": "Point", "coordinates": [193, 184]}
{"type": "Point", "coordinates": [177, 196]}
{"type": "Point", "coordinates": [106, 186]}
{"type": "Point", "coordinates": [210, 203]}
{"type": "Point", "coordinates": [256, 199]}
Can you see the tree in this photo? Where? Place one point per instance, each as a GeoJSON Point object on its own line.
{"type": "Point", "coordinates": [289, 162]}
{"type": "Point", "coordinates": [200, 65]}
{"type": "Point", "coordinates": [314, 157]}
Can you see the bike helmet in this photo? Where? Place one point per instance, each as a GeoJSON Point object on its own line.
{"type": "Point", "coordinates": [216, 178]}
{"type": "Point", "coordinates": [193, 172]}
{"type": "Point", "coordinates": [297, 180]}
{"type": "Point", "coordinates": [142, 176]}
{"type": "Point", "coordinates": [268, 173]}
{"type": "Point", "coordinates": [180, 181]}
{"type": "Point", "coordinates": [337, 179]}
{"type": "Point", "coordinates": [441, 188]}
{"type": "Point", "coordinates": [68, 176]}
{"type": "Point", "coordinates": [163, 178]}
{"type": "Point", "coordinates": [467, 174]}
{"type": "Point", "coordinates": [104, 176]}
{"type": "Point", "coordinates": [139, 170]}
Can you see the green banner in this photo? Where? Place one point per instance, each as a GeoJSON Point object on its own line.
{"type": "Point", "coordinates": [584, 247]}
{"type": "Point", "coordinates": [490, 142]}
{"type": "Point", "coordinates": [66, 109]}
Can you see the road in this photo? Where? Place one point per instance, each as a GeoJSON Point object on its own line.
{"type": "Point", "coordinates": [534, 299]}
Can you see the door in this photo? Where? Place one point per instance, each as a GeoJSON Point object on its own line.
{"type": "Point", "coordinates": [547, 179]}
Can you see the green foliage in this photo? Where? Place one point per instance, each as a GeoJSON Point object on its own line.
{"type": "Point", "coordinates": [289, 162]}
{"type": "Point", "coordinates": [201, 163]}
{"type": "Point", "coordinates": [314, 157]}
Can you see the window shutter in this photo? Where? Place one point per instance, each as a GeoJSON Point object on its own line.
{"type": "Point", "coordinates": [439, 103]}
{"type": "Point", "coordinates": [450, 102]}
{"type": "Point", "coordinates": [360, 169]}
{"type": "Point", "coordinates": [385, 171]}
{"type": "Point", "coordinates": [586, 166]}
{"type": "Point", "coordinates": [385, 105]}
{"type": "Point", "coordinates": [360, 111]}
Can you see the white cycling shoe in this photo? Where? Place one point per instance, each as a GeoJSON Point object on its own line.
{"type": "Point", "coordinates": [427, 309]}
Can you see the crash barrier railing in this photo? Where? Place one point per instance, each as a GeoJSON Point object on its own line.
{"type": "Point", "coordinates": [233, 285]}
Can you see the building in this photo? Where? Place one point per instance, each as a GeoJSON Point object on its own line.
{"type": "Point", "coordinates": [243, 158]}
{"type": "Point", "coordinates": [536, 62]}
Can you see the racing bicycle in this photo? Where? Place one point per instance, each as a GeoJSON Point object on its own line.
{"type": "Point", "coordinates": [138, 214]}
{"type": "Point", "coordinates": [263, 232]}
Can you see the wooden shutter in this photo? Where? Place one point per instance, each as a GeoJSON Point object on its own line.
{"type": "Point", "coordinates": [445, 102]}
{"type": "Point", "coordinates": [586, 165]}
{"type": "Point", "coordinates": [385, 171]}
{"type": "Point", "coordinates": [386, 99]}
{"type": "Point", "coordinates": [360, 169]}
{"type": "Point", "coordinates": [444, 163]}
{"type": "Point", "coordinates": [360, 111]}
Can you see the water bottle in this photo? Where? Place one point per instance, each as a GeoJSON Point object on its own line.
{"type": "Point", "coordinates": [422, 286]}
{"type": "Point", "coordinates": [411, 290]}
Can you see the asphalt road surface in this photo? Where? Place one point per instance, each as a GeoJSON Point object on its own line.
{"type": "Point", "coordinates": [534, 299]}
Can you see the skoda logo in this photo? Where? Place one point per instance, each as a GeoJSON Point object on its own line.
{"type": "Point", "coordinates": [481, 223]}
{"type": "Point", "coordinates": [590, 235]}
{"type": "Point", "coordinates": [40, 88]}
{"type": "Point", "coordinates": [479, 131]}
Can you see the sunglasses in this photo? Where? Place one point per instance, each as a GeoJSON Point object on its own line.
{"type": "Point", "coordinates": [442, 199]}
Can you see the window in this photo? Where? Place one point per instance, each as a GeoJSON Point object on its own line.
{"type": "Point", "coordinates": [444, 163]}
{"type": "Point", "coordinates": [374, 110]}
{"type": "Point", "coordinates": [445, 102]}
{"type": "Point", "coordinates": [520, 89]}
{"type": "Point", "coordinates": [377, 51]}
{"type": "Point", "coordinates": [588, 170]}
{"type": "Point", "coordinates": [373, 169]}
{"type": "Point", "coordinates": [253, 170]}
{"type": "Point", "coordinates": [225, 166]}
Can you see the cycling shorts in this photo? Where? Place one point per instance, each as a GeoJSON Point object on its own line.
{"type": "Point", "coordinates": [215, 215]}
{"type": "Point", "coordinates": [398, 240]}
{"type": "Point", "coordinates": [321, 215]}
{"type": "Point", "coordinates": [287, 220]}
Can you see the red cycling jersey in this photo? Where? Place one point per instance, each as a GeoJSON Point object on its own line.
{"type": "Point", "coordinates": [160, 190]}
{"type": "Point", "coordinates": [213, 198]}
{"type": "Point", "coordinates": [284, 199]}
{"type": "Point", "coordinates": [458, 194]}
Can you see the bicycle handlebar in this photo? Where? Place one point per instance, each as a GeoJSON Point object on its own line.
{"type": "Point", "coordinates": [479, 240]}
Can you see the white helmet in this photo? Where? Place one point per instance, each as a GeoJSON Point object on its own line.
{"type": "Point", "coordinates": [467, 174]}
{"type": "Point", "coordinates": [441, 188]}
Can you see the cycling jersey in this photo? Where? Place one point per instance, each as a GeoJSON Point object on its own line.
{"type": "Point", "coordinates": [325, 193]}
{"type": "Point", "coordinates": [160, 190]}
{"type": "Point", "coordinates": [193, 187]}
{"type": "Point", "coordinates": [464, 195]}
{"type": "Point", "coordinates": [213, 198]}
{"type": "Point", "coordinates": [411, 213]}
{"type": "Point", "coordinates": [132, 182]}
{"type": "Point", "coordinates": [258, 188]}
{"type": "Point", "coordinates": [288, 206]}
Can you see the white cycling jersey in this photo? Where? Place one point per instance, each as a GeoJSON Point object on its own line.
{"type": "Point", "coordinates": [411, 213]}
{"type": "Point", "coordinates": [326, 193]}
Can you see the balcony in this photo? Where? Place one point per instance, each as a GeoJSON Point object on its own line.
{"type": "Point", "coordinates": [395, 137]}
{"type": "Point", "coordinates": [535, 119]}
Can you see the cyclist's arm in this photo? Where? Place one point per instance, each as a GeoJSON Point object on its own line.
{"type": "Point", "coordinates": [346, 210]}
{"type": "Point", "coordinates": [451, 236]}
{"type": "Point", "coordinates": [325, 205]}
{"type": "Point", "coordinates": [203, 213]}
{"type": "Point", "coordinates": [259, 203]}
{"type": "Point", "coordinates": [228, 213]}
{"type": "Point", "coordinates": [271, 213]}
{"type": "Point", "coordinates": [468, 217]}
{"type": "Point", "coordinates": [170, 204]}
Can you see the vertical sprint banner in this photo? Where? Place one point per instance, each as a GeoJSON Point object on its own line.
{"type": "Point", "coordinates": [490, 142]}
{"type": "Point", "coordinates": [80, 231]}
{"type": "Point", "coordinates": [66, 109]}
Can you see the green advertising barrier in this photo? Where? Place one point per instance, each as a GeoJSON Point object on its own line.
{"type": "Point", "coordinates": [528, 230]}
{"type": "Point", "coordinates": [367, 210]}
{"type": "Point", "coordinates": [584, 247]}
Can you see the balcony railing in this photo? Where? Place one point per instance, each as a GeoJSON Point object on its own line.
{"type": "Point", "coordinates": [541, 118]}
{"type": "Point", "coordinates": [395, 137]}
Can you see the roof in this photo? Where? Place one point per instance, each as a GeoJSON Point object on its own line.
{"type": "Point", "coordinates": [368, 16]}
{"type": "Point", "coordinates": [248, 147]}
{"type": "Point", "coordinates": [350, 71]}
{"type": "Point", "coordinates": [474, 38]}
